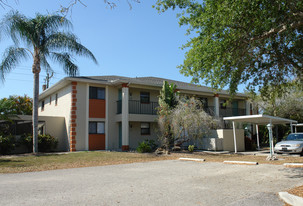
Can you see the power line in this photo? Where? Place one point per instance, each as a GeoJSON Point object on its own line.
{"type": "Point", "coordinates": [27, 68]}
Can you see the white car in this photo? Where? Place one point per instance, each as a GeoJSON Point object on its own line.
{"type": "Point", "coordinates": [292, 144]}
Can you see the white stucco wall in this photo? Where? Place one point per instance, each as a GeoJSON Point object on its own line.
{"type": "Point", "coordinates": [82, 117]}
{"type": "Point", "coordinates": [62, 109]}
{"type": "Point", "coordinates": [112, 124]}
{"type": "Point", "coordinates": [228, 139]}
{"type": "Point", "coordinates": [134, 94]}
{"type": "Point", "coordinates": [135, 134]}
{"type": "Point", "coordinates": [56, 127]}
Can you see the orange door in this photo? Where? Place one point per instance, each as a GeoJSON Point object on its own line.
{"type": "Point", "coordinates": [97, 142]}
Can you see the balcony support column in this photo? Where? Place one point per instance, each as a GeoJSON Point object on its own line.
{"type": "Point", "coordinates": [249, 126]}
{"type": "Point", "coordinates": [125, 119]}
{"type": "Point", "coordinates": [217, 109]}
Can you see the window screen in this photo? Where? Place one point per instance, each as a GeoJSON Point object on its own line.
{"type": "Point", "coordinates": [145, 128]}
{"type": "Point", "coordinates": [96, 128]}
{"type": "Point", "coordinates": [144, 97]}
{"type": "Point", "coordinates": [96, 93]}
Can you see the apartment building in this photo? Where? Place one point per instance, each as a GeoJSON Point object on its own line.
{"type": "Point", "coordinates": [116, 113]}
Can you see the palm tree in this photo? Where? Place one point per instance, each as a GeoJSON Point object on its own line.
{"type": "Point", "coordinates": [167, 102]}
{"type": "Point", "coordinates": [43, 39]}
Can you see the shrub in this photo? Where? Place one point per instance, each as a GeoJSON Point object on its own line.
{"type": "Point", "coordinates": [191, 148]}
{"type": "Point", "coordinates": [146, 146]}
{"type": "Point", "coordinates": [46, 143]}
{"type": "Point", "coordinates": [7, 144]}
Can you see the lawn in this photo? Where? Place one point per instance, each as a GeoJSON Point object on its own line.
{"type": "Point", "coordinates": [41, 162]}
{"type": "Point", "coordinates": [31, 163]}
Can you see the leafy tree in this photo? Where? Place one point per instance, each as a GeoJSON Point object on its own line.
{"type": "Point", "coordinates": [167, 101]}
{"type": "Point", "coordinates": [16, 105]}
{"type": "Point", "coordinates": [43, 39]}
{"type": "Point", "coordinates": [287, 105]}
{"type": "Point", "coordinates": [254, 42]}
{"type": "Point", "coordinates": [190, 121]}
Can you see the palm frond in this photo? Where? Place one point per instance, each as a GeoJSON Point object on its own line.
{"type": "Point", "coordinates": [68, 42]}
{"type": "Point", "coordinates": [15, 25]}
{"type": "Point", "coordinates": [65, 60]}
{"type": "Point", "coordinates": [44, 63]}
{"type": "Point", "coordinates": [52, 23]}
{"type": "Point", "coordinates": [11, 58]}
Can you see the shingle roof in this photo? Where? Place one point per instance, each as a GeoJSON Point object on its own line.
{"type": "Point", "coordinates": [155, 81]}
{"type": "Point", "coordinates": [144, 81]}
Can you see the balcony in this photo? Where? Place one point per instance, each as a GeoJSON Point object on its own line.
{"type": "Point", "coordinates": [136, 107]}
{"type": "Point", "coordinates": [232, 112]}
{"type": "Point", "coordinates": [209, 110]}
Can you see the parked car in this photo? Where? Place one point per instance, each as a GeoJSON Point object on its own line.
{"type": "Point", "coordinates": [292, 144]}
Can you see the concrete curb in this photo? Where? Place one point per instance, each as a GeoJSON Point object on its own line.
{"type": "Point", "coordinates": [241, 162]}
{"type": "Point", "coordinates": [294, 165]}
{"type": "Point", "coordinates": [291, 199]}
{"type": "Point", "coordinates": [191, 159]}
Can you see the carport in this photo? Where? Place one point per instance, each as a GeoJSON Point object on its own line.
{"type": "Point", "coordinates": [260, 119]}
{"type": "Point", "coordinates": [298, 125]}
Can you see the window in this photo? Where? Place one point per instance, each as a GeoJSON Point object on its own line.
{"type": "Point", "coordinates": [96, 93]}
{"type": "Point", "coordinates": [56, 99]}
{"type": "Point", "coordinates": [42, 105]}
{"type": "Point", "coordinates": [144, 97]}
{"type": "Point", "coordinates": [145, 129]}
{"type": "Point", "coordinates": [96, 128]}
{"type": "Point", "coordinates": [50, 100]}
{"type": "Point", "coordinates": [223, 104]}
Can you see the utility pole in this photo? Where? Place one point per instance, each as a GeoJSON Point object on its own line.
{"type": "Point", "coordinates": [47, 78]}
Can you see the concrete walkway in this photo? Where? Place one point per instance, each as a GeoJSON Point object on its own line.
{"type": "Point", "coordinates": [153, 183]}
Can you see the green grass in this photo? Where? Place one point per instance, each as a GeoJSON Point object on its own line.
{"type": "Point", "coordinates": [30, 163]}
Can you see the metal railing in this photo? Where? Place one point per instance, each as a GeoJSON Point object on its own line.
{"type": "Point", "coordinates": [136, 107]}
{"type": "Point", "coordinates": [210, 110]}
{"type": "Point", "coordinates": [232, 112]}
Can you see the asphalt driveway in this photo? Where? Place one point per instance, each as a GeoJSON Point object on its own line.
{"type": "Point", "coordinates": [152, 183]}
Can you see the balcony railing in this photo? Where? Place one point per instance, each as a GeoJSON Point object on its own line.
{"type": "Point", "coordinates": [210, 110]}
{"type": "Point", "coordinates": [136, 107]}
{"type": "Point", "coordinates": [232, 112]}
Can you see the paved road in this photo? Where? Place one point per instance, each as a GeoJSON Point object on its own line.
{"type": "Point", "coordinates": [153, 183]}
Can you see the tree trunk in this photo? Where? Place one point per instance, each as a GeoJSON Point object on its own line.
{"type": "Point", "coordinates": [36, 71]}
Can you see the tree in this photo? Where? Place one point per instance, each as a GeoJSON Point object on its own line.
{"type": "Point", "coordinates": [15, 105]}
{"type": "Point", "coordinates": [190, 121]}
{"type": "Point", "coordinates": [167, 102]}
{"type": "Point", "coordinates": [43, 39]}
{"type": "Point", "coordinates": [20, 105]}
{"type": "Point", "coordinates": [287, 105]}
{"type": "Point", "coordinates": [253, 42]}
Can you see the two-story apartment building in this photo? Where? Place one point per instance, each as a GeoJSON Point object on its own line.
{"type": "Point", "coordinates": [114, 112]}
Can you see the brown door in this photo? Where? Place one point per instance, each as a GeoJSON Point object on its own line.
{"type": "Point", "coordinates": [97, 142]}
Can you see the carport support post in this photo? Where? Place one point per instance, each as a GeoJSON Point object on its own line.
{"type": "Point", "coordinates": [235, 138]}
{"type": "Point", "coordinates": [271, 141]}
{"type": "Point", "coordinates": [258, 142]}
{"type": "Point", "coordinates": [291, 128]}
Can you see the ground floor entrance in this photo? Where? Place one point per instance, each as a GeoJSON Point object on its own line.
{"type": "Point", "coordinates": [97, 142]}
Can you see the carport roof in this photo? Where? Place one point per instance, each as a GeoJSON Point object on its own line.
{"type": "Point", "coordinates": [260, 119]}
